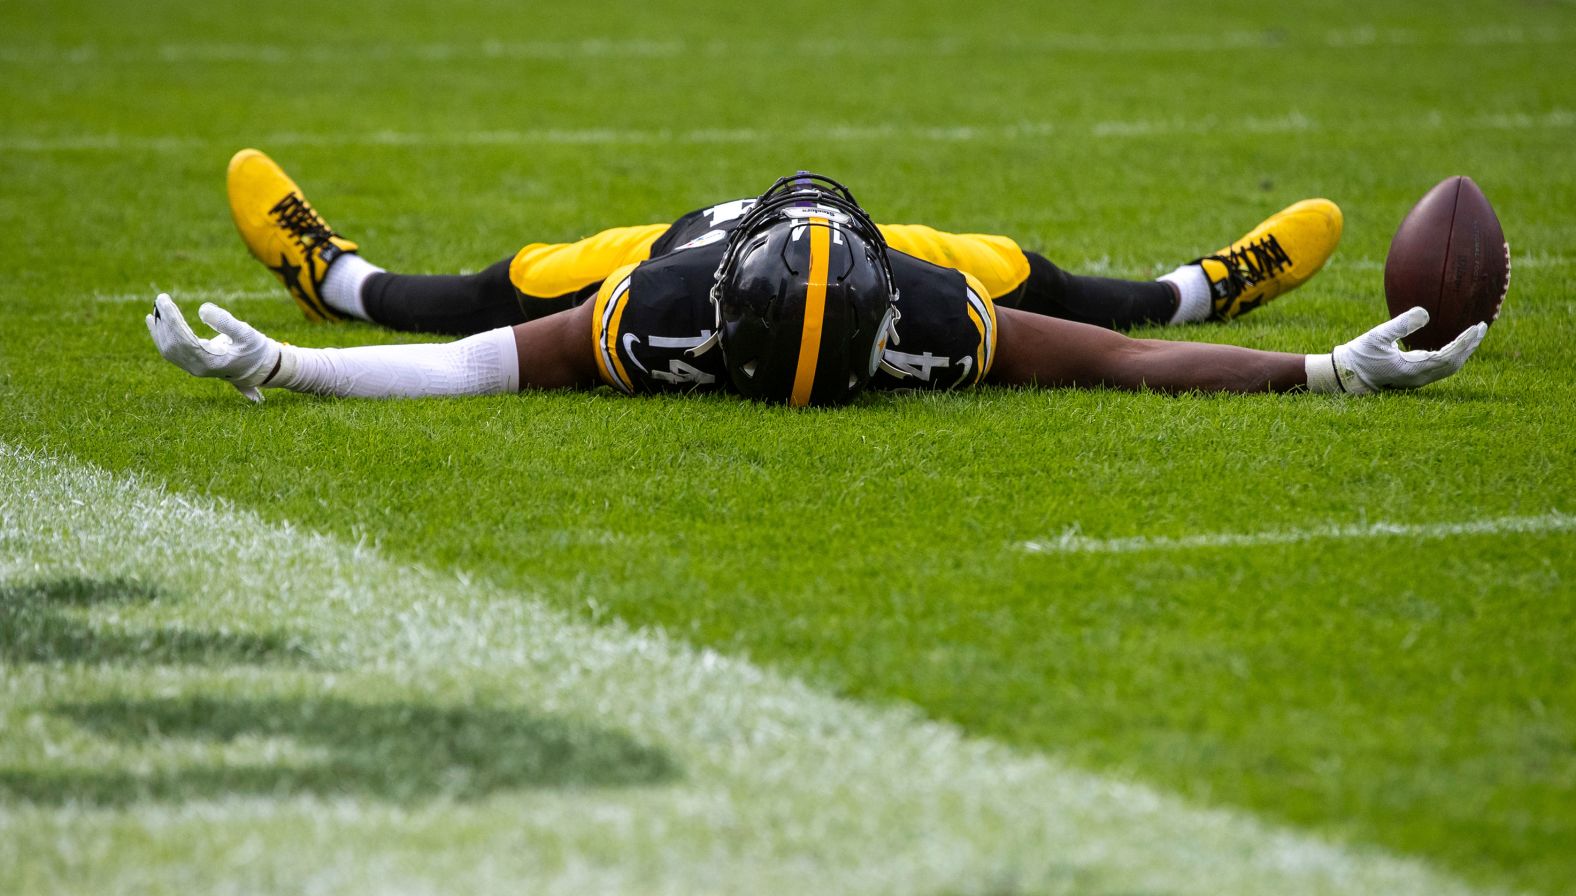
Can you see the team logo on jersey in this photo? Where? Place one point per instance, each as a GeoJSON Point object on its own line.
{"type": "Point", "coordinates": [705, 239]}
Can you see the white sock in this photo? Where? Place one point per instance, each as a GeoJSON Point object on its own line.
{"type": "Point", "coordinates": [1193, 286]}
{"type": "Point", "coordinates": [342, 284]}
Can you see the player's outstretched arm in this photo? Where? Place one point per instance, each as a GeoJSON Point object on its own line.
{"type": "Point", "coordinates": [1033, 349]}
{"type": "Point", "coordinates": [552, 352]}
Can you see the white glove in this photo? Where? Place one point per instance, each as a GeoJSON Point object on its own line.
{"type": "Point", "coordinates": [239, 354]}
{"type": "Point", "coordinates": [1373, 362]}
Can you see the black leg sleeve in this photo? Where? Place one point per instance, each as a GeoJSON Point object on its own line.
{"type": "Point", "coordinates": [459, 305]}
{"type": "Point", "coordinates": [1114, 304]}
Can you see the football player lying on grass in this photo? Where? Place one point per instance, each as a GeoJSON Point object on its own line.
{"type": "Point", "coordinates": [795, 297]}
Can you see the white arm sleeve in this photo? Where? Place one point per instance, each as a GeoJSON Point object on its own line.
{"type": "Point", "coordinates": [484, 364]}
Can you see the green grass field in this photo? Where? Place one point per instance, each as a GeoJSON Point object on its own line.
{"type": "Point", "coordinates": [993, 642]}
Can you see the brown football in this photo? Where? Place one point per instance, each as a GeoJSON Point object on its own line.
{"type": "Point", "coordinates": [1450, 257]}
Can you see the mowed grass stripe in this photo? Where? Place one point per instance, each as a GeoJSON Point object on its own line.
{"type": "Point", "coordinates": [766, 785]}
{"type": "Point", "coordinates": [1073, 543]}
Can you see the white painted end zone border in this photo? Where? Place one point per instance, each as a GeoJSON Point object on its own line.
{"type": "Point", "coordinates": [783, 789]}
{"type": "Point", "coordinates": [1072, 542]}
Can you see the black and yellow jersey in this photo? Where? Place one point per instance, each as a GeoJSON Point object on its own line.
{"type": "Point", "coordinates": [653, 318]}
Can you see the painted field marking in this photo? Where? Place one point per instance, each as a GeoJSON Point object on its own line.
{"type": "Point", "coordinates": [186, 296]}
{"type": "Point", "coordinates": [1289, 123]}
{"type": "Point", "coordinates": [1518, 261]}
{"type": "Point", "coordinates": [780, 788]}
{"type": "Point", "coordinates": [1072, 542]}
{"type": "Point", "coordinates": [596, 49]}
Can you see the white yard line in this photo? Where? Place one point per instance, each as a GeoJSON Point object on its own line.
{"type": "Point", "coordinates": [597, 49]}
{"type": "Point", "coordinates": [187, 296]}
{"type": "Point", "coordinates": [1073, 542]}
{"type": "Point", "coordinates": [1519, 261]}
{"type": "Point", "coordinates": [780, 788]}
{"type": "Point", "coordinates": [1120, 129]}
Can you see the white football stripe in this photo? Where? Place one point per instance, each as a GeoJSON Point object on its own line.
{"type": "Point", "coordinates": [1072, 542]}
{"type": "Point", "coordinates": [780, 788]}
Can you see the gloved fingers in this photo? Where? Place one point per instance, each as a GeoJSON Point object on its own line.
{"type": "Point", "coordinates": [1402, 325]}
{"type": "Point", "coordinates": [163, 306]}
{"type": "Point", "coordinates": [252, 393]}
{"type": "Point", "coordinates": [158, 324]}
{"type": "Point", "coordinates": [1461, 348]}
{"type": "Point", "coordinates": [1456, 352]}
{"type": "Point", "coordinates": [1437, 365]}
{"type": "Point", "coordinates": [1467, 343]}
{"type": "Point", "coordinates": [169, 321]}
{"type": "Point", "coordinates": [171, 336]}
{"type": "Point", "coordinates": [225, 322]}
{"type": "Point", "coordinates": [159, 329]}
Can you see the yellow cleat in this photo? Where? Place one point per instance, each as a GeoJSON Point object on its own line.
{"type": "Point", "coordinates": [1275, 257]}
{"type": "Point", "coordinates": [283, 231]}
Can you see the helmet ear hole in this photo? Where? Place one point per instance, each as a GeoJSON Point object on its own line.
{"type": "Point", "coordinates": [748, 368]}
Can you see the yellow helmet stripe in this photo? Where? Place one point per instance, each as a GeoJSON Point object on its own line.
{"type": "Point", "coordinates": [814, 311]}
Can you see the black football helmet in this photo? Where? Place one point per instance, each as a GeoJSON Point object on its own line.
{"type": "Point", "coordinates": [804, 295]}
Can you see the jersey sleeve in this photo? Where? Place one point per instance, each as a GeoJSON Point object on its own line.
{"type": "Point", "coordinates": [945, 332]}
{"type": "Point", "coordinates": [982, 314]}
{"type": "Point", "coordinates": [652, 332]}
{"type": "Point", "coordinates": [607, 325]}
